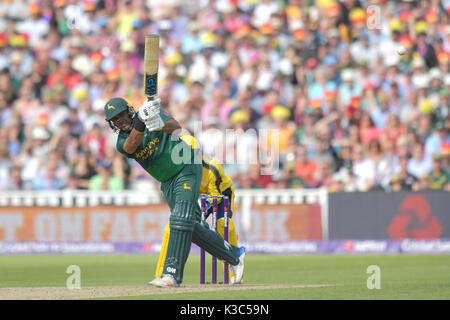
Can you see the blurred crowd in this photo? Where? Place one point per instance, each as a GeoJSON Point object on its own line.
{"type": "Point", "coordinates": [324, 80]}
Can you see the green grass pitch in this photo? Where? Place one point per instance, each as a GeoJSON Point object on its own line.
{"type": "Point", "coordinates": [402, 276]}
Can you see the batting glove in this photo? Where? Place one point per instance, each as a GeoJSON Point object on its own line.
{"type": "Point", "coordinates": [149, 109]}
{"type": "Point", "coordinates": [155, 123]}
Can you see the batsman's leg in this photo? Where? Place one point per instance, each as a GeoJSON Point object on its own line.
{"type": "Point", "coordinates": [182, 192]}
{"type": "Point", "coordinates": [181, 228]}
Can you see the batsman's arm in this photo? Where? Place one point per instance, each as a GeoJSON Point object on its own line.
{"type": "Point", "coordinates": [170, 126]}
{"type": "Point", "coordinates": [133, 141]}
{"type": "Point", "coordinates": [135, 137]}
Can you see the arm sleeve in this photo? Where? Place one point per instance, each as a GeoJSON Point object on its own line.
{"type": "Point", "coordinates": [211, 183]}
{"type": "Point", "coordinates": [215, 184]}
{"type": "Point", "coordinates": [224, 181]}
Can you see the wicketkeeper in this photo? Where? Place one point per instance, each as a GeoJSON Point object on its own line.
{"type": "Point", "coordinates": [214, 182]}
{"type": "Point", "coordinates": [148, 137]}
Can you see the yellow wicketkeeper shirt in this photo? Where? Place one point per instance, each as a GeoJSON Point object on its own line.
{"type": "Point", "coordinates": [214, 179]}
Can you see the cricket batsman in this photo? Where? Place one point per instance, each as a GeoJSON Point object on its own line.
{"type": "Point", "coordinates": [214, 182]}
{"type": "Point", "coordinates": [147, 136]}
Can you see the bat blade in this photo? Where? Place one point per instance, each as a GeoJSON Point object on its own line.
{"type": "Point", "coordinates": [151, 62]}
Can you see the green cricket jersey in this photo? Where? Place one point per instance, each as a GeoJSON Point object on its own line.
{"type": "Point", "coordinates": [156, 152]}
{"type": "Point", "coordinates": [438, 182]}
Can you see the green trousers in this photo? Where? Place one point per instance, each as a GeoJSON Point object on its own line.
{"type": "Point", "coordinates": [185, 186]}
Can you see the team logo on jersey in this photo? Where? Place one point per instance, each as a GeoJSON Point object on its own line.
{"type": "Point", "coordinates": [185, 186]}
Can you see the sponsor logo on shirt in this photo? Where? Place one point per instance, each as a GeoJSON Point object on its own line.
{"type": "Point", "coordinates": [149, 149]}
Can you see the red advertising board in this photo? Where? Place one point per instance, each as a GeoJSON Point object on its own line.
{"type": "Point", "coordinates": [102, 223]}
{"type": "Point", "coordinates": [146, 223]}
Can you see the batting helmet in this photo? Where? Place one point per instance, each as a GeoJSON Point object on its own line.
{"type": "Point", "coordinates": [115, 106]}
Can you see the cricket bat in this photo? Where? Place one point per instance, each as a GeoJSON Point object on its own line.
{"type": "Point", "coordinates": [151, 61]}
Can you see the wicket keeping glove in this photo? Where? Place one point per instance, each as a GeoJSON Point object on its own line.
{"type": "Point", "coordinates": [149, 109]}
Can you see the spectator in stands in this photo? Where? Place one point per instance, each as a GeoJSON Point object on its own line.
{"type": "Point", "coordinates": [393, 130]}
{"type": "Point", "coordinates": [423, 183]}
{"type": "Point", "coordinates": [321, 152]}
{"type": "Point", "coordinates": [211, 139]}
{"type": "Point", "coordinates": [344, 159]}
{"type": "Point", "coordinates": [396, 183]}
{"type": "Point", "coordinates": [407, 178]}
{"type": "Point", "coordinates": [4, 159]}
{"type": "Point", "coordinates": [105, 180]}
{"type": "Point", "coordinates": [83, 171]}
{"type": "Point", "coordinates": [323, 177]}
{"type": "Point", "coordinates": [353, 135]}
{"type": "Point", "coordinates": [304, 168]}
{"type": "Point", "coordinates": [434, 141]}
{"type": "Point", "coordinates": [439, 178]}
{"type": "Point", "coordinates": [424, 48]}
{"type": "Point", "coordinates": [344, 180]}
{"type": "Point", "coordinates": [424, 128]}
{"type": "Point", "coordinates": [380, 165]}
{"type": "Point", "coordinates": [284, 129]}
{"type": "Point", "coordinates": [392, 156]}
{"type": "Point", "coordinates": [441, 111]}
{"type": "Point", "coordinates": [219, 106]}
{"type": "Point", "coordinates": [57, 70]}
{"type": "Point", "coordinates": [409, 111]}
{"type": "Point", "coordinates": [14, 182]}
{"type": "Point", "coordinates": [419, 165]}
{"type": "Point", "coordinates": [258, 180]}
{"type": "Point", "coordinates": [305, 132]}
{"type": "Point", "coordinates": [381, 111]}
{"type": "Point", "coordinates": [361, 171]}
{"type": "Point", "coordinates": [47, 179]}
{"type": "Point", "coordinates": [367, 129]}
{"type": "Point", "coordinates": [348, 88]}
